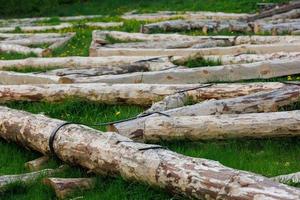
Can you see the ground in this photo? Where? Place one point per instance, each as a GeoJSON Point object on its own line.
{"type": "Point", "coordinates": [269, 157]}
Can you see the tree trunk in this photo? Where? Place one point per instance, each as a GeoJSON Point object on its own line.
{"type": "Point", "coordinates": [99, 50]}
{"type": "Point", "coordinates": [104, 24]}
{"type": "Point", "coordinates": [84, 62]}
{"type": "Point", "coordinates": [287, 178]}
{"type": "Point", "coordinates": [60, 26]}
{"type": "Point", "coordinates": [214, 91]}
{"type": "Point", "coordinates": [7, 180]}
{"type": "Point", "coordinates": [14, 78]}
{"type": "Point", "coordinates": [138, 94]}
{"type": "Point", "coordinates": [113, 154]}
{"type": "Point", "coordinates": [185, 25]}
{"type": "Point", "coordinates": [36, 164]}
{"type": "Point", "coordinates": [9, 48]}
{"type": "Point", "coordinates": [66, 187]}
{"type": "Point", "coordinates": [275, 11]}
{"type": "Point", "coordinates": [229, 73]}
{"type": "Point", "coordinates": [165, 15]}
{"type": "Point", "coordinates": [31, 21]}
{"type": "Point", "coordinates": [235, 59]}
{"type": "Point", "coordinates": [255, 125]}
{"type": "Point", "coordinates": [254, 103]}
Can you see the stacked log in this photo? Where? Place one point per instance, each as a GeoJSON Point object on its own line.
{"type": "Point", "coordinates": [137, 94]}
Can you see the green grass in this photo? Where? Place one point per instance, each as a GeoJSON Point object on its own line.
{"type": "Point", "coordinates": [269, 157]}
{"type": "Point", "coordinates": [117, 7]}
{"type": "Point", "coordinates": [200, 62]}
{"type": "Point", "coordinates": [13, 56]}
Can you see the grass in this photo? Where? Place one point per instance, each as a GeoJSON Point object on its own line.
{"type": "Point", "coordinates": [269, 157]}
{"type": "Point", "coordinates": [107, 7]}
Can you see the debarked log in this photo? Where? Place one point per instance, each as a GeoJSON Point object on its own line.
{"type": "Point", "coordinates": [37, 164]}
{"type": "Point", "coordinates": [253, 125]}
{"type": "Point", "coordinates": [241, 58]}
{"type": "Point", "coordinates": [138, 94]}
{"type": "Point", "coordinates": [235, 59]}
{"type": "Point", "coordinates": [8, 48]}
{"type": "Point", "coordinates": [112, 154]}
{"type": "Point", "coordinates": [258, 70]}
{"type": "Point", "coordinates": [153, 63]}
{"type": "Point", "coordinates": [270, 101]}
{"type": "Point", "coordinates": [99, 50]}
{"type": "Point", "coordinates": [7, 180]}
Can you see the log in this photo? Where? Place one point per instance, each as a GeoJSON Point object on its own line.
{"type": "Point", "coordinates": [7, 180]}
{"type": "Point", "coordinates": [8, 48]}
{"type": "Point", "coordinates": [66, 187]}
{"type": "Point", "coordinates": [112, 154]}
{"type": "Point", "coordinates": [254, 125]}
{"type": "Point", "coordinates": [165, 15]}
{"type": "Point", "coordinates": [234, 59]}
{"type": "Point", "coordinates": [279, 10]}
{"type": "Point", "coordinates": [185, 25]}
{"type": "Point", "coordinates": [62, 42]}
{"type": "Point", "coordinates": [293, 14]}
{"type": "Point", "coordinates": [138, 94]}
{"type": "Point", "coordinates": [287, 178]}
{"type": "Point", "coordinates": [104, 24]}
{"type": "Point", "coordinates": [60, 26]}
{"type": "Point", "coordinates": [99, 50]}
{"type": "Point", "coordinates": [37, 164]}
{"type": "Point", "coordinates": [210, 91]}
{"type": "Point", "coordinates": [15, 78]}
{"type": "Point", "coordinates": [228, 73]}
{"type": "Point", "coordinates": [77, 62]}
{"type": "Point", "coordinates": [278, 28]}
{"type": "Point", "coordinates": [30, 21]}
{"type": "Point", "coordinates": [253, 103]}
{"type": "Point", "coordinates": [37, 28]}
{"type": "Point", "coordinates": [100, 37]}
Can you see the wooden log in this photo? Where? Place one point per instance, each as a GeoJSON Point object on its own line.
{"type": "Point", "coordinates": [60, 26]}
{"type": "Point", "coordinates": [30, 21]}
{"type": "Point", "coordinates": [100, 37]}
{"type": "Point", "coordinates": [165, 15]}
{"type": "Point", "coordinates": [279, 28]}
{"type": "Point", "coordinates": [210, 91]}
{"type": "Point", "coordinates": [37, 28]}
{"type": "Point", "coordinates": [279, 10]}
{"type": "Point", "coordinates": [62, 42]}
{"type": "Point", "coordinates": [185, 25]}
{"type": "Point", "coordinates": [99, 50]}
{"type": "Point", "coordinates": [138, 94]}
{"type": "Point", "coordinates": [80, 62]}
{"type": "Point", "coordinates": [15, 78]}
{"type": "Point", "coordinates": [253, 103]}
{"type": "Point", "coordinates": [112, 154]}
{"type": "Point", "coordinates": [287, 178]}
{"type": "Point", "coordinates": [235, 59]}
{"type": "Point", "coordinates": [8, 48]}
{"type": "Point", "coordinates": [90, 72]}
{"type": "Point", "coordinates": [229, 73]}
{"type": "Point", "coordinates": [254, 125]}
{"type": "Point", "coordinates": [293, 14]}
{"type": "Point", "coordinates": [104, 24]}
{"type": "Point", "coordinates": [66, 187]}
{"type": "Point", "coordinates": [37, 164]}
{"type": "Point", "coordinates": [7, 180]}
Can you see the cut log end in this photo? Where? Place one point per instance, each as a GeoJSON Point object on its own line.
{"type": "Point", "coordinates": [66, 187]}
{"type": "Point", "coordinates": [36, 164]}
